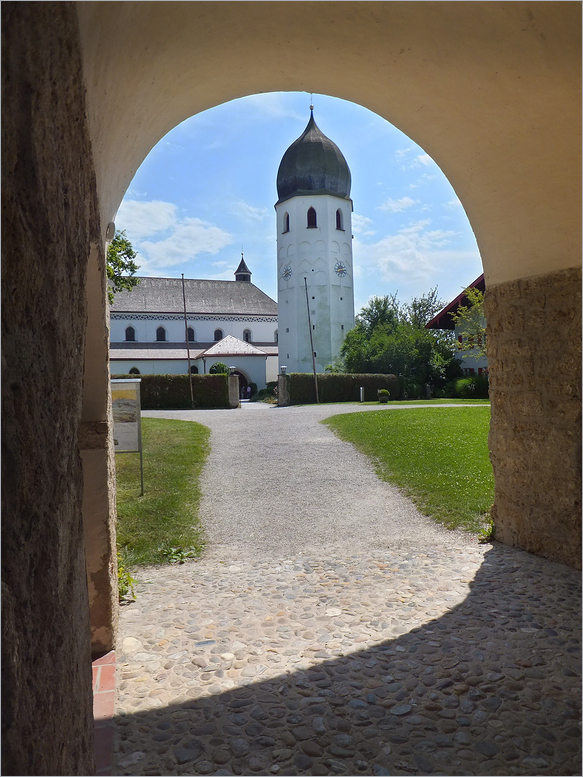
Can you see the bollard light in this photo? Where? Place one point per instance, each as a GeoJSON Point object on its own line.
{"type": "Point", "coordinates": [283, 369]}
{"type": "Point", "coordinates": [232, 370]}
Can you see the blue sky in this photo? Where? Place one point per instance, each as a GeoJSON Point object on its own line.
{"type": "Point", "coordinates": [208, 188]}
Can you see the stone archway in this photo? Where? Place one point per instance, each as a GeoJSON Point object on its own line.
{"type": "Point", "coordinates": [474, 86]}
{"type": "Point", "coordinates": [490, 90]}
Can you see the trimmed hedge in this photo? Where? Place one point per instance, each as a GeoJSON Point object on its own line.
{"type": "Point", "coordinates": [172, 392]}
{"type": "Point", "coordinates": [339, 387]}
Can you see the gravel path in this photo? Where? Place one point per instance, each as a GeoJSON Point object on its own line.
{"type": "Point", "coordinates": [279, 483]}
{"type": "Point", "coordinates": [331, 629]}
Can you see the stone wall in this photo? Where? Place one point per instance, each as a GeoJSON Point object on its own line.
{"type": "Point", "coordinates": [534, 355]}
{"type": "Point", "coordinates": [48, 221]}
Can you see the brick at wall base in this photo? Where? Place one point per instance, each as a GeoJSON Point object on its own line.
{"type": "Point", "coordinates": [534, 356]}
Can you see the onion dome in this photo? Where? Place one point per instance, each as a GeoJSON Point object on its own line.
{"type": "Point", "coordinates": [312, 165]}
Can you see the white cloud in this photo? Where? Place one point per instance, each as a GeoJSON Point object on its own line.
{"type": "Point", "coordinates": [274, 104]}
{"type": "Point", "coordinates": [360, 225]}
{"type": "Point", "coordinates": [249, 212]}
{"type": "Point", "coordinates": [190, 237]}
{"type": "Point", "coordinates": [422, 159]}
{"type": "Point", "coordinates": [144, 219]}
{"type": "Point", "coordinates": [452, 204]}
{"type": "Point", "coordinates": [395, 206]}
{"type": "Point", "coordinates": [413, 253]}
{"type": "Point", "coordinates": [401, 153]}
{"type": "Point", "coordinates": [425, 178]}
{"type": "Point", "coordinates": [219, 264]}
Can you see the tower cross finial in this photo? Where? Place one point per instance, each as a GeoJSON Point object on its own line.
{"type": "Point", "coordinates": [311, 101]}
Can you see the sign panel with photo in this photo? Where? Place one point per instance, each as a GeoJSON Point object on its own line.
{"type": "Point", "coordinates": [127, 425]}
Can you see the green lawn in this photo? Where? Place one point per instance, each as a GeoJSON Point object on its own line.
{"type": "Point", "coordinates": [166, 517]}
{"type": "Point", "coordinates": [438, 456]}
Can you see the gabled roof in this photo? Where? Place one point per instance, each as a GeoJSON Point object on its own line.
{"type": "Point", "coordinates": [232, 346]}
{"type": "Point", "coordinates": [164, 295]}
{"type": "Point", "coordinates": [443, 319]}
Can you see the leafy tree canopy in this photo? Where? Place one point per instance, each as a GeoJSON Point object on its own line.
{"type": "Point", "coordinates": [471, 323]}
{"type": "Point", "coordinates": [390, 337]}
{"type": "Point", "coordinates": [121, 265]}
{"type": "Point", "coordinates": [219, 368]}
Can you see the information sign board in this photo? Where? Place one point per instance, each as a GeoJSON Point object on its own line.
{"type": "Point", "coordinates": [127, 423]}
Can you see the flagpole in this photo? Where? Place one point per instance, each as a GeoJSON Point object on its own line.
{"type": "Point", "coordinates": [311, 341]}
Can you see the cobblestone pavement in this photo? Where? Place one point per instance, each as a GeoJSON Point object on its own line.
{"type": "Point", "coordinates": [429, 656]}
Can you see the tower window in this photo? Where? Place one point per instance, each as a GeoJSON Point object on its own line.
{"type": "Point", "coordinates": [218, 335]}
{"type": "Point", "coordinates": [339, 221]}
{"type": "Point", "coordinates": [190, 334]}
{"type": "Point", "coordinates": [130, 334]}
{"type": "Point", "coordinates": [160, 334]}
{"type": "Point", "coordinates": [287, 329]}
{"type": "Point", "coordinates": [286, 222]}
{"type": "Point", "coordinates": [312, 220]}
{"type": "Point", "coordinates": [247, 335]}
{"type": "Point", "coordinates": [342, 326]}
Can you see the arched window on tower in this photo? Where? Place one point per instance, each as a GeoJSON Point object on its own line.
{"type": "Point", "coordinates": [339, 221]}
{"type": "Point", "coordinates": [130, 334]}
{"type": "Point", "coordinates": [247, 335]}
{"type": "Point", "coordinates": [286, 222]}
{"type": "Point", "coordinates": [218, 335]}
{"type": "Point", "coordinates": [312, 221]}
{"type": "Point", "coordinates": [190, 334]}
{"type": "Point", "coordinates": [160, 334]}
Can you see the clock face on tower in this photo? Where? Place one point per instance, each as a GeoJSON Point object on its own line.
{"type": "Point", "coordinates": [340, 269]}
{"type": "Point", "coordinates": [287, 272]}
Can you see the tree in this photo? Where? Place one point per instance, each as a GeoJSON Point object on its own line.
{"type": "Point", "coordinates": [379, 311]}
{"type": "Point", "coordinates": [390, 337]}
{"type": "Point", "coordinates": [121, 265]}
{"type": "Point", "coordinates": [471, 323]}
{"type": "Point", "coordinates": [218, 368]}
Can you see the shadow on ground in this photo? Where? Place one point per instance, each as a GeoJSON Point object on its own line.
{"type": "Point", "coordinates": [492, 687]}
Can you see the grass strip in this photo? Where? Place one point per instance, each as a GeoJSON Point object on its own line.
{"type": "Point", "coordinates": [161, 526]}
{"type": "Point", "coordinates": [437, 456]}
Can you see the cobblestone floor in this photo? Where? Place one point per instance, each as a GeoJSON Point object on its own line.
{"type": "Point", "coordinates": [445, 657]}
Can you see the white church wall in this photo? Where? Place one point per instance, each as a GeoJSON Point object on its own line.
{"type": "Point", "coordinates": [152, 366]}
{"type": "Point", "coordinates": [271, 369]}
{"type": "Point", "coordinates": [145, 326]}
{"type": "Point", "coordinates": [254, 367]}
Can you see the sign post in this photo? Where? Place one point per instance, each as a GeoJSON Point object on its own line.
{"type": "Point", "coordinates": [127, 419]}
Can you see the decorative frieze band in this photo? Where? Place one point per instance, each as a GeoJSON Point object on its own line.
{"type": "Point", "coordinates": [180, 317]}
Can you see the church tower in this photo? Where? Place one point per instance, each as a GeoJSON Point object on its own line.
{"type": "Point", "coordinates": [314, 251]}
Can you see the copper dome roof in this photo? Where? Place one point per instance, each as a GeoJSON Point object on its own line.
{"type": "Point", "coordinates": [312, 165]}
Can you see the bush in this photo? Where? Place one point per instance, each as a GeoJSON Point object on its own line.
{"type": "Point", "coordinates": [218, 368]}
{"type": "Point", "coordinates": [449, 390]}
{"type": "Point", "coordinates": [253, 387]}
{"type": "Point", "coordinates": [474, 387]}
{"type": "Point", "coordinates": [409, 389]}
{"type": "Point", "coordinates": [339, 387]}
{"type": "Point", "coordinates": [172, 392]}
